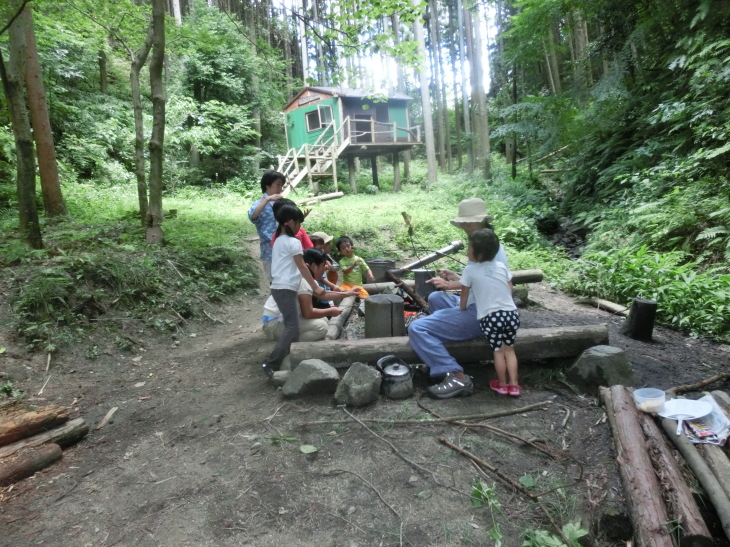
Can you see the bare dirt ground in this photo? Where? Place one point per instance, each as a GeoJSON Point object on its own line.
{"type": "Point", "coordinates": [205, 451]}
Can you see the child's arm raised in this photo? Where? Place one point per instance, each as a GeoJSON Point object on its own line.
{"type": "Point", "coordinates": [307, 275]}
{"type": "Point", "coordinates": [464, 297]}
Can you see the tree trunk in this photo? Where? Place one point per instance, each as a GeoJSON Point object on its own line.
{"type": "Point", "coordinates": [425, 101]}
{"type": "Point", "coordinates": [103, 73]}
{"type": "Point", "coordinates": [176, 13]}
{"type": "Point", "coordinates": [47, 167]}
{"type": "Point", "coordinates": [468, 60]}
{"type": "Point", "coordinates": [454, 84]}
{"type": "Point", "coordinates": [138, 60]}
{"type": "Point", "coordinates": [482, 114]}
{"type": "Point", "coordinates": [13, 84]}
{"type": "Point", "coordinates": [640, 323]}
{"type": "Point", "coordinates": [153, 220]}
{"type": "Point", "coordinates": [532, 344]}
{"type": "Point", "coordinates": [401, 89]}
{"type": "Point", "coordinates": [436, 85]}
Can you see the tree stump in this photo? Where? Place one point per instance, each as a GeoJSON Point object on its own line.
{"type": "Point", "coordinates": [384, 316]}
{"type": "Point", "coordinates": [640, 323]}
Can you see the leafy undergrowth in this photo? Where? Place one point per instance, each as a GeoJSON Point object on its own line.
{"type": "Point", "coordinates": [100, 272]}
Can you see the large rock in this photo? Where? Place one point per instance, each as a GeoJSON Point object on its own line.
{"type": "Point", "coordinates": [601, 366]}
{"type": "Point", "coordinates": [311, 376]}
{"type": "Point", "coordinates": [359, 386]}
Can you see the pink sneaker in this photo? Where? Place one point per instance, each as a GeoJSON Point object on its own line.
{"type": "Point", "coordinates": [514, 390]}
{"type": "Point", "coordinates": [496, 386]}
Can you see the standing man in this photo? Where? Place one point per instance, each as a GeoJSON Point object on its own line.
{"type": "Point", "coordinates": [448, 323]}
{"type": "Point", "coordinates": [261, 214]}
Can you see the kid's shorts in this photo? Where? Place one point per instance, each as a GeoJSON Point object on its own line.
{"type": "Point", "coordinates": [500, 327]}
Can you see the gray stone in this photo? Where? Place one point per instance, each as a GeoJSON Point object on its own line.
{"type": "Point", "coordinates": [601, 366]}
{"type": "Point", "coordinates": [359, 386]}
{"type": "Point", "coordinates": [311, 376]}
{"type": "Point", "coordinates": [285, 363]}
{"type": "Point", "coordinates": [280, 377]}
{"type": "Point", "coordinates": [520, 296]}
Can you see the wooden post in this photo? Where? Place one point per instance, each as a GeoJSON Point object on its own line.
{"type": "Point", "coordinates": [29, 462]}
{"type": "Point", "coordinates": [308, 167]}
{"type": "Point", "coordinates": [374, 169]}
{"type": "Point", "coordinates": [384, 316]}
{"type": "Point", "coordinates": [351, 173]}
{"type": "Point", "coordinates": [640, 323]}
{"type": "Point", "coordinates": [396, 172]}
{"type": "Point", "coordinates": [334, 165]}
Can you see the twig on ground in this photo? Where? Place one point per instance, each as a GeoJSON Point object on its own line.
{"type": "Point", "coordinates": [48, 362]}
{"type": "Point", "coordinates": [215, 320]}
{"type": "Point", "coordinates": [439, 419]}
{"type": "Point", "coordinates": [508, 480]}
{"type": "Point", "coordinates": [699, 385]}
{"type": "Point", "coordinates": [45, 384]}
{"type": "Point", "coordinates": [392, 446]}
{"type": "Point", "coordinates": [275, 413]}
{"type": "Point", "coordinates": [332, 471]}
{"type": "Point", "coordinates": [176, 270]}
{"type": "Point", "coordinates": [105, 419]}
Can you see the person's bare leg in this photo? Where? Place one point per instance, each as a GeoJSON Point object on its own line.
{"type": "Point", "coordinates": [510, 364]}
{"type": "Point", "coordinates": [500, 366]}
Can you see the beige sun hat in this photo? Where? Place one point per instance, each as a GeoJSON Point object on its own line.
{"type": "Point", "coordinates": [326, 238]}
{"type": "Point", "coordinates": [471, 210]}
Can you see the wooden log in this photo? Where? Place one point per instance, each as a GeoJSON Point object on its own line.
{"type": "Point", "coordinates": [28, 423]}
{"type": "Point", "coordinates": [64, 436]}
{"type": "Point", "coordinates": [323, 197]}
{"type": "Point", "coordinates": [681, 505]}
{"type": "Point", "coordinates": [518, 277]}
{"type": "Point", "coordinates": [604, 305]}
{"type": "Point", "coordinates": [718, 463]}
{"type": "Point", "coordinates": [338, 323]}
{"type": "Point", "coordinates": [531, 344]}
{"type": "Point", "coordinates": [644, 497]}
{"type": "Point", "coordinates": [28, 462]}
{"type": "Point", "coordinates": [702, 471]}
{"type": "Point", "coordinates": [409, 290]}
{"type": "Point", "coordinates": [384, 316]}
{"type": "Point", "coordinates": [640, 323]}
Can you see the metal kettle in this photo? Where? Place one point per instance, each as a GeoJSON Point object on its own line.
{"type": "Point", "coordinates": [397, 377]}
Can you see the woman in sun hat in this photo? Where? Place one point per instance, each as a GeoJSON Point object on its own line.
{"type": "Point", "coordinates": [447, 323]}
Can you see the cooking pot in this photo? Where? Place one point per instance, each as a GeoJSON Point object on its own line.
{"type": "Point", "coordinates": [397, 377]}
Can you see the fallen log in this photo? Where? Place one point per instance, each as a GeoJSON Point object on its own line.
{"type": "Point", "coordinates": [25, 424]}
{"type": "Point", "coordinates": [644, 497]}
{"type": "Point", "coordinates": [718, 463]}
{"type": "Point", "coordinates": [702, 471]}
{"type": "Point", "coordinates": [681, 505]}
{"type": "Point", "coordinates": [64, 436]}
{"type": "Point", "coordinates": [531, 344]}
{"type": "Point", "coordinates": [26, 463]}
{"type": "Point", "coordinates": [604, 305]}
{"type": "Point", "coordinates": [323, 197]}
{"type": "Point", "coordinates": [518, 277]}
{"type": "Point", "coordinates": [338, 323]}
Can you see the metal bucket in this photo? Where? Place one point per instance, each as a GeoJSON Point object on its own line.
{"type": "Point", "coordinates": [423, 289]}
{"type": "Point", "coordinates": [379, 266]}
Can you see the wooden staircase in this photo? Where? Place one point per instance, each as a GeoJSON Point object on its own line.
{"type": "Point", "coordinates": [314, 160]}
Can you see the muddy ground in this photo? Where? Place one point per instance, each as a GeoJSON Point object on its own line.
{"type": "Point", "coordinates": [205, 451]}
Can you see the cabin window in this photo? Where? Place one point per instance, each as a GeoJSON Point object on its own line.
{"type": "Point", "coordinates": [317, 119]}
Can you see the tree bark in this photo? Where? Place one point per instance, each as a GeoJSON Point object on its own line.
{"type": "Point", "coordinates": [464, 57]}
{"type": "Point", "coordinates": [18, 426]}
{"type": "Point", "coordinates": [531, 344]}
{"type": "Point", "coordinates": [47, 166]}
{"type": "Point", "coordinates": [435, 71]}
{"type": "Point", "coordinates": [640, 323]}
{"type": "Point", "coordinates": [648, 513]}
{"type": "Point", "coordinates": [28, 463]}
{"type": "Point", "coordinates": [482, 114]}
{"type": "Point", "coordinates": [681, 505]}
{"type": "Point", "coordinates": [153, 220]}
{"type": "Point", "coordinates": [13, 83]}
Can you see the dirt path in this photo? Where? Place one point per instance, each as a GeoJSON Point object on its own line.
{"type": "Point", "coordinates": [204, 451]}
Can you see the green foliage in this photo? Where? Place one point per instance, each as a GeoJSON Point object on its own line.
{"type": "Point", "coordinates": [96, 269]}
{"type": "Point", "coordinates": [483, 495]}
{"type": "Point", "coordinates": [687, 300]}
{"type": "Point", "coordinates": [8, 390]}
{"type": "Point", "coordinates": [541, 538]}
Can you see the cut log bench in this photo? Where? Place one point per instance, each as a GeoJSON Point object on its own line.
{"type": "Point", "coordinates": [531, 344]}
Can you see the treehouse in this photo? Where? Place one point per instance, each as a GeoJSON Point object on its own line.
{"type": "Point", "coordinates": [327, 123]}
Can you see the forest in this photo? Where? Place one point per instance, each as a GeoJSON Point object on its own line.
{"type": "Point", "coordinates": [607, 119]}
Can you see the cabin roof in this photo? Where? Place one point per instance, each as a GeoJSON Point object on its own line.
{"type": "Point", "coordinates": [348, 92]}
